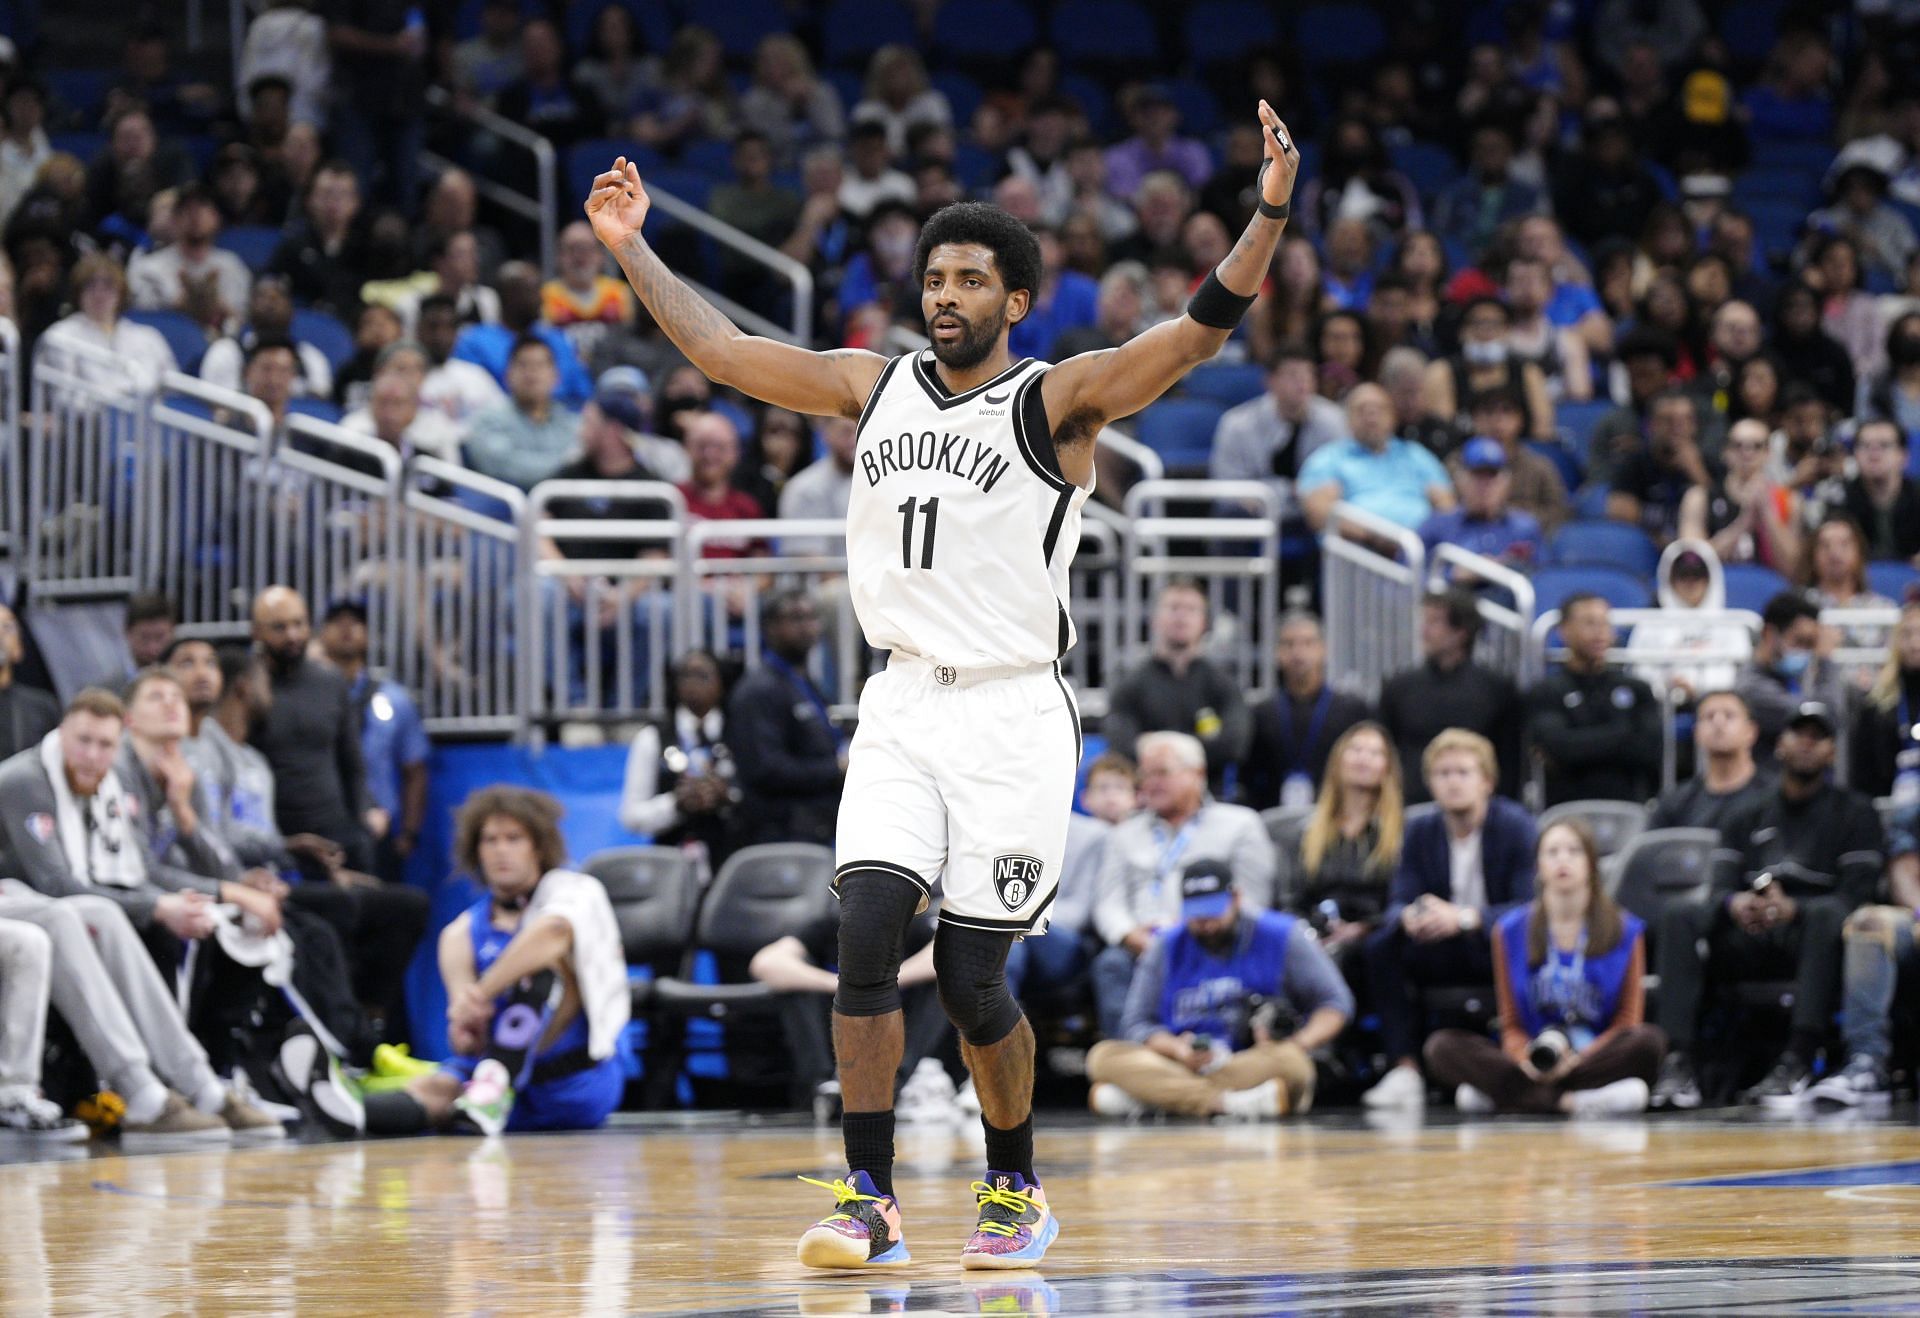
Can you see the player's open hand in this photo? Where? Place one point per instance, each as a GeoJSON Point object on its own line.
{"type": "Point", "coordinates": [617, 205]}
{"type": "Point", "coordinates": [1283, 159]}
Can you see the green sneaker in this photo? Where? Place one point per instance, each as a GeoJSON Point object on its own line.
{"type": "Point", "coordinates": [487, 1101]}
{"type": "Point", "coordinates": [396, 1060]}
{"type": "Point", "coordinates": [338, 1096]}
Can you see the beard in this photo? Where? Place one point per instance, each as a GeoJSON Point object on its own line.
{"type": "Point", "coordinates": [975, 344]}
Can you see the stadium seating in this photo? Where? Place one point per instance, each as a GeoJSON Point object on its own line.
{"type": "Point", "coordinates": [333, 339]}
{"type": "Point", "coordinates": [1893, 580]}
{"type": "Point", "coordinates": [1180, 430]}
{"type": "Point", "coordinates": [653, 22]}
{"type": "Point", "coordinates": [182, 333]}
{"type": "Point", "coordinates": [1339, 34]}
{"type": "Point", "coordinates": [1619, 587]}
{"type": "Point", "coordinates": [1603, 543]}
{"type": "Point", "coordinates": [1225, 382]}
{"type": "Point", "coordinates": [761, 894]}
{"type": "Point", "coordinates": [852, 30]}
{"type": "Point", "coordinates": [1104, 32]}
{"type": "Point", "coordinates": [985, 30]}
{"type": "Point", "coordinates": [252, 243]}
{"type": "Point", "coordinates": [1615, 824]}
{"type": "Point", "coordinates": [1663, 865]}
{"type": "Point", "coordinates": [1223, 31]}
{"type": "Point", "coordinates": [1750, 586]}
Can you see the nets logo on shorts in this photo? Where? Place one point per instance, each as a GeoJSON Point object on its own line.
{"type": "Point", "coordinates": [1015, 878]}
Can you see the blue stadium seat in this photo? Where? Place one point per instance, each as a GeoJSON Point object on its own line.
{"type": "Point", "coordinates": [252, 243]}
{"type": "Point", "coordinates": [1812, 156]}
{"type": "Point", "coordinates": [1104, 32]}
{"type": "Point", "coordinates": [1776, 226]}
{"type": "Point", "coordinates": [1892, 579]}
{"type": "Point", "coordinates": [1199, 107]}
{"type": "Point", "coordinates": [466, 19]}
{"type": "Point", "coordinates": [1180, 430]}
{"type": "Point", "coordinates": [1619, 587]}
{"type": "Point", "coordinates": [1226, 382]}
{"type": "Point", "coordinates": [653, 21]}
{"type": "Point", "coordinates": [853, 29]}
{"type": "Point", "coordinates": [710, 157]}
{"type": "Point", "coordinates": [320, 409]}
{"type": "Point", "coordinates": [1604, 544]}
{"type": "Point", "coordinates": [690, 185]}
{"type": "Point", "coordinates": [740, 24]}
{"type": "Point", "coordinates": [1750, 27]}
{"type": "Point", "coordinates": [1339, 34]}
{"type": "Point", "coordinates": [82, 144]}
{"type": "Point", "coordinates": [985, 29]}
{"type": "Point", "coordinates": [1223, 31]}
{"type": "Point", "coordinates": [1093, 100]}
{"type": "Point", "coordinates": [1750, 586]}
{"type": "Point", "coordinates": [1778, 184]}
{"type": "Point", "coordinates": [586, 160]}
{"type": "Point", "coordinates": [962, 93]}
{"type": "Point", "coordinates": [1576, 423]}
{"type": "Point", "coordinates": [183, 335]}
{"type": "Point", "coordinates": [83, 91]}
{"type": "Point", "coordinates": [1428, 167]}
{"type": "Point", "coordinates": [333, 339]}
{"type": "Point", "coordinates": [1564, 460]}
{"type": "Point", "coordinates": [1590, 501]}
{"type": "Point", "coordinates": [976, 167]}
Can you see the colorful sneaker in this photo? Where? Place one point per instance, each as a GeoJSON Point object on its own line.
{"type": "Point", "coordinates": [862, 1231]}
{"type": "Point", "coordinates": [338, 1097]}
{"type": "Point", "coordinates": [1016, 1226]}
{"type": "Point", "coordinates": [487, 1101]}
{"type": "Point", "coordinates": [397, 1060]}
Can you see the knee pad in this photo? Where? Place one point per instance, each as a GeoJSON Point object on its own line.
{"type": "Point", "coordinates": [876, 906]}
{"type": "Point", "coordinates": [970, 968]}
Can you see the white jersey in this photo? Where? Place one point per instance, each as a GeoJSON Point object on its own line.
{"type": "Point", "coordinates": [960, 527]}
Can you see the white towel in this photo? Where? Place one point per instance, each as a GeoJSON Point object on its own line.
{"type": "Point", "coordinates": [599, 963]}
{"type": "Point", "coordinates": [102, 853]}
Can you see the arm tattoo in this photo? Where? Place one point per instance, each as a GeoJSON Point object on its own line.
{"type": "Point", "coordinates": [1246, 265]}
{"type": "Point", "coordinates": [693, 324]}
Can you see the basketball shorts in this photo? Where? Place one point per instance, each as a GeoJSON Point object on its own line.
{"type": "Point", "coordinates": [964, 780]}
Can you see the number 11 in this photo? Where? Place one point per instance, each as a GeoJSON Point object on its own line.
{"type": "Point", "coordinates": [932, 508]}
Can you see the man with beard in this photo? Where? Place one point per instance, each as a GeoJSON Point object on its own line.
{"type": "Point", "coordinates": [310, 736]}
{"type": "Point", "coordinates": [971, 471]}
{"type": "Point", "coordinates": [1203, 1033]}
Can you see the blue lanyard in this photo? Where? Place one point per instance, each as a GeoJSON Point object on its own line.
{"type": "Point", "coordinates": [1172, 848]}
{"type": "Point", "coordinates": [800, 682]}
{"type": "Point", "coordinates": [1294, 759]}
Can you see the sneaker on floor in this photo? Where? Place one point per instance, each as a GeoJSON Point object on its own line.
{"type": "Point", "coordinates": [179, 1122]}
{"type": "Point", "coordinates": [1401, 1087]}
{"type": "Point", "coordinates": [248, 1122]}
{"type": "Point", "coordinates": [1622, 1098]}
{"type": "Point", "coordinates": [1472, 1102]}
{"type": "Point", "coordinates": [241, 1084]}
{"type": "Point", "coordinates": [337, 1096]}
{"type": "Point", "coordinates": [1784, 1087]}
{"type": "Point", "coordinates": [862, 1231]}
{"type": "Point", "coordinates": [1677, 1088]}
{"type": "Point", "coordinates": [396, 1059]}
{"type": "Point", "coordinates": [1110, 1100]}
{"type": "Point", "coordinates": [1015, 1226]}
{"type": "Point", "coordinates": [487, 1101]}
{"type": "Point", "coordinates": [1264, 1102]}
{"type": "Point", "coordinates": [23, 1111]}
{"type": "Point", "coordinates": [1863, 1082]}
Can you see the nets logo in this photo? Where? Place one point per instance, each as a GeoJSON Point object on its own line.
{"type": "Point", "coordinates": [1015, 878]}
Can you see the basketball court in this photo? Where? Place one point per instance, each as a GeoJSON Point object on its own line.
{"type": "Point", "coordinates": [699, 1215]}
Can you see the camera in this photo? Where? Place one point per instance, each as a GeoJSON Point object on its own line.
{"type": "Point", "coordinates": [1548, 1049]}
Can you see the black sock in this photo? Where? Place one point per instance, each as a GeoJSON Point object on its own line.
{"type": "Point", "coordinates": [395, 1113]}
{"type": "Point", "coordinates": [869, 1138]}
{"type": "Point", "coordinates": [1010, 1150]}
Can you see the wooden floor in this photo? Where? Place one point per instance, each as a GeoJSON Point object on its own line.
{"type": "Point", "coordinates": [1682, 1215]}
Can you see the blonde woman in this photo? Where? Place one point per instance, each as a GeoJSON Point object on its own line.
{"type": "Point", "coordinates": [1568, 969]}
{"type": "Point", "coordinates": [1351, 845]}
{"type": "Point", "coordinates": [1886, 752]}
{"type": "Point", "coordinates": [900, 96]}
{"type": "Point", "coordinates": [787, 102]}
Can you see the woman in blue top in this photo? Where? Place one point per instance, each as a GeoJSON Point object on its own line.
{"type": "Point", "coordinates": [1567, 969]}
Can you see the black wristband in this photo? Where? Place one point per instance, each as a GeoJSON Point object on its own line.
{"type": "Point", "coordinates": [1216, 306]}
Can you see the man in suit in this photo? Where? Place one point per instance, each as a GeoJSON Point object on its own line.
{"type": "Point", "coordinates": [1461, 868]}
{"type": "Point", "coordinates": [791, 758]}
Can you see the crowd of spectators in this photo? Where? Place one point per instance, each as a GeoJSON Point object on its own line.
{"type": "Point", "coordinates": [1541, 274]}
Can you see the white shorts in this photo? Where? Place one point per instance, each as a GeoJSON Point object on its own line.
{"type": "Point", "coordinates": [966, 784]}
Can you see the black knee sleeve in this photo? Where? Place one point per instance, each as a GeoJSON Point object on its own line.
{"type": "Point", "coordinates": [970, 968]}
{"type": "Point", "coordinates": [875, 909]}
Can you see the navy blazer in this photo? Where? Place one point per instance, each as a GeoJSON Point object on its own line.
{"type": "Point", "coordinates": [1506, 855]}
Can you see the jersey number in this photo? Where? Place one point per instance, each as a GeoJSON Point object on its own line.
{"type": "Point", "coordinates": [932, 509]}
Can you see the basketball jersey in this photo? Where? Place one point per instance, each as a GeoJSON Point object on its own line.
{"type": "Point", "coordinates": [960, 527]}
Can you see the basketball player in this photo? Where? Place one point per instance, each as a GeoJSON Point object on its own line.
{"type": "Point", "coordinates": [970, 470]}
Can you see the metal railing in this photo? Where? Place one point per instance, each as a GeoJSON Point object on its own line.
{"type": "Point", "coordinates": [1372, 601]}
{"type": "Point", "coordinates": [211, 502]}
{"type": "Point", "coordinates": [1235, 559]}
{"type": "Point", "coordinates": [12, 479]}
{"type": "Point", "coordinates": [1504, 644]}
{"type": "Point", "coordinates": [83, 517]}
{"type": "Point", "coordinates": [795, 273]}
{"type": "Point", "coordinates": [543, 208]}
{"type": "Point", "coordinates": [461, 602]}
{"type": "Point", "coordinates": [337, 534]}
{"type": "Point", "coordinates": [1094, 590]}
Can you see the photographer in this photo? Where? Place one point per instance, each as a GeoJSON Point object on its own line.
{"type": "Point", "coordinates": [1568, 970]}
{"type": "Point", "coordinates": [1206, 1026]}
{"type": "Point", "coordinates": [1791, 866]}
{"type": "Point", "coordinates": [679, 789]}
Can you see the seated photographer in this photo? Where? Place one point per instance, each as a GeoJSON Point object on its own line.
{"type": "Point", "coordinates": [1791, 867]}
{"type": "Point", "coordinates": [536, 993]}
{"type": "Point", "coordinates": [1568, 969]}
{"type": "Point", "coordinates": [1339, 876]}
{"type": "Point", "coordinates": [1223, 1013]}
{"type": "Point", "coordinates": [1461, 868]}
{"type": "Point", "coordinates": [679, 787]}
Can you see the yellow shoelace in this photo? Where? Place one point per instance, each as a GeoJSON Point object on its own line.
{"type": "Point", "coordinates": [1018, 1201]}
{"type": "Point", "coordinates": [842, 1194]}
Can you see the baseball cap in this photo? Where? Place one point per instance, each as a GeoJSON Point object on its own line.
{"type": "Point", "coordinates": [1483, 453]}
{"type": "Point", "coordinates": [621, 393]}
{"type": "Point", "coordinates": [1206, 890]}
{"type": "Point", "coordinates": [347, 605]}
{"type": "Point", "coordinates": [1814, 711]}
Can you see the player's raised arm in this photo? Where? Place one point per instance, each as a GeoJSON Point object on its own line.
{"type": "Point", "coordinates": [1120, 381]}
{"type": "Point", "coordinates": [812, 383]}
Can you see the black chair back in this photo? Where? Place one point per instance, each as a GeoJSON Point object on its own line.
{"type": "Point", "coordinates": [654, 897]}
{"type": "Point", "coordinates": [765, 893]}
